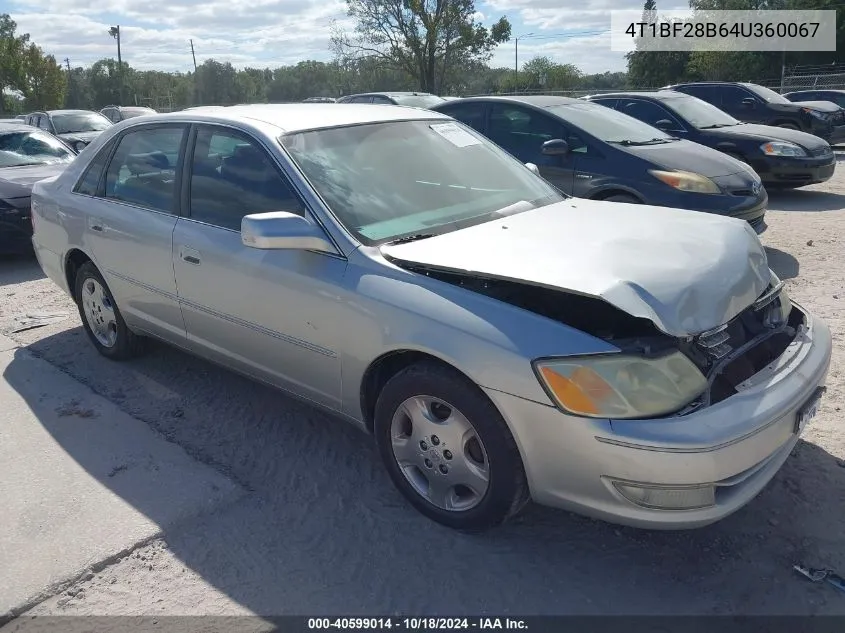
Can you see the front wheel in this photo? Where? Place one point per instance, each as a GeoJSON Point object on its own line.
{"type": "Point", "coordinates": [101, 317]}
{"type": "Point", "coordinates": [622, 197]}
{"type": "Point", "coordinates": [448, 450]}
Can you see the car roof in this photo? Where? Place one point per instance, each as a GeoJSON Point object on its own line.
{"type": "Point", "coordinates": [12, 124]}
{"type": "Point", "coordinates": [393, 94]}
{"type": "Point", "coordinates": [298, 117]}
{"type": "Point", "coordinates": [65, 112]}
{"type": "Point", "coordinates": [793, 92]}
{"type": "Point", "coordinates": [647, 94]}
{"type": "Point", "coordinates": [538, 101]}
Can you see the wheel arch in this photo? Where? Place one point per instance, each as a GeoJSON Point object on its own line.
{"type": "Point", "coordinates": [74, 259]}
{"type": "Point", "coordinates": [616, 190]}
{"type": "Point", "coordinates": [383, 368]}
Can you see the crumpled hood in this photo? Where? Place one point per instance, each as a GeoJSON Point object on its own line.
{"type": "Point", "coordinates": [821, 106]}
{"type": "Point", "coordinates": [685, 271]}
{"type": "Point", "coordinates": [16, 182]}
{"type": "Point", "coordinates": [85, 137]}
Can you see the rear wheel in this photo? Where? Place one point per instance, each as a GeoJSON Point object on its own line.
{"type": "Point", "coordinates": [101, 317]}
{"type": "Point", "coordinates": [448, 450]}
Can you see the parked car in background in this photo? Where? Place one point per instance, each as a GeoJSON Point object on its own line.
{"type": "Point", "coordinates": [116, 114]}
{"type": "Point", "coordinates": [812, 96]}
{"type": "Point", "coordinates": [413, 99]}
{"type": "Point", "coordinates": [590, 151]}
{"type": "Point", "coordinates": [319, 100]}
{"type": "Point", "coordinates": [27, 155]}
{"type": "Point", "coordinates": [500, 340]}
{"type": "Point", "coordinates": [21, 117]}
{"type": "Point", "coordinates": [751, 103]}
{"type": "Point", "coordinates": [76, 127]}
{"type": "Point", "coordinates": [783, 158]}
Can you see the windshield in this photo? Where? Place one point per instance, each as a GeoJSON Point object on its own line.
{"type": "Point", "coordinates": [765, 93]}
{"type": "Point", "coordinates": [699, 113]}
{"type": "Point", "coordinates": [80, 122]}
{"type": "Point", "coordinates": [609, 125]}
{"type": "Point", "coordinates": [385, 181]}
{"type": "Point", "coordinates": [31, 147]}
{"type": "Point", "coordinates": [418, 101]}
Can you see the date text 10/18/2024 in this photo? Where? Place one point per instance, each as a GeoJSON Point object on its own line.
{"type": "Point", "coordinates": [412, 624]}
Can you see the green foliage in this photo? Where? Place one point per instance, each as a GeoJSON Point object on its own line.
{"type": "Point", "coordinates": [426, 39]}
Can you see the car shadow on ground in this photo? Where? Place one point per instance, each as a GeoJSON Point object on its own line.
{"type": "Point", "coordinates": [17, 269]}
{"type": "Point", "coordinates": [805, 200]}
{"type": "Point", "coordinates": [784, 264]}
{"type": "Point", "coordinates": [322, 530]}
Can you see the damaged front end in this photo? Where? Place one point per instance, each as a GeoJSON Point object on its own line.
{"type": "Point", "coordinates": [727, 356]}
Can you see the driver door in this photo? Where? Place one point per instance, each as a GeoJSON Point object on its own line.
{"type": "Point", "coordinates": [522, 132]}
{"type": "Point", "coordinates": [269, 313]}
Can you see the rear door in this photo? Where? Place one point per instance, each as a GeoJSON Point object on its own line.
{"type": "Point", "coordinates": [130, 222]}
{"type": "Point", "coordinates": [522, 132]}
{"type": "Point", "coordinates": [473, 114]}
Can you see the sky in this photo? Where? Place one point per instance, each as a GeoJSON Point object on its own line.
{"type": "Point", "coordinates": [156, 34]}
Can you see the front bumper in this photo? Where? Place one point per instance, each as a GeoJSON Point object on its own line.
{"type": "Point", "coordinates": [15, 230]}
{"type": "Point", "coordinates": [795, 172]}
{"type": "Point", "coordinates": [737, 444]}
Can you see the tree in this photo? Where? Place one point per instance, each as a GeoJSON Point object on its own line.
{"type": "Point", "coordinates": [424, 38]}
{"type": "Point", "coordinates": [12, 51]}
{"type": "Point", "coordinates": [43, 82]}
{"type": "Point", "coordinates": [653, 69]}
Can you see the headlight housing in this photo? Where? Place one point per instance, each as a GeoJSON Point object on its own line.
{"type": "Point", "coordinates": [821, 116]}
{"type": "Point", "coordinates": [621, 386]}
{"type": "Point", "coordinates": [686, 181]}
{"type": "Point", "coordinates": [782, 148]}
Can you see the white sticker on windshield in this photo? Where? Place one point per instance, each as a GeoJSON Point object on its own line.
{"type": "Point", "coordinates": [455, 135]}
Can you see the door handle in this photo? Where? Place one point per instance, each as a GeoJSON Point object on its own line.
{"type": "Point", "coordinates": [189, 255]}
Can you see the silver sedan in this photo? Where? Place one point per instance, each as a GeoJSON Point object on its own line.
{"type": "Point", "coordinates": [501, 341]}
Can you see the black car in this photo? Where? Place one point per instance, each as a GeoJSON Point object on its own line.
{"type": "Point", "coordinates": [27, 155]}
{"type": "Point", "coordinates": [831, 96]}
{"type": "Point", "coordinates": [751, 103]}
{"type": "Point", "coordinates": [77, 127]}
{"type": "Point", "coordinates": [413, 99]}
{"type": "Point", "coordinates": [590, 151]}
{"type": "Point", "coordinates": [782, 157]}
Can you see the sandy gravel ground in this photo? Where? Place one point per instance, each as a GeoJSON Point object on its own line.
{"type": "Point", "coordinates": [323, 532]}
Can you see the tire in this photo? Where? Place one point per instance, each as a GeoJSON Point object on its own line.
{"type": "Point", "coordinates": [622, 197]}
{"type": "Point", "coordinates": [431, 391]}
{"type": "Point", "coordinates": [101, 317]}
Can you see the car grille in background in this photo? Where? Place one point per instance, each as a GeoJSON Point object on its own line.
{"type": "Point", "coordinates": [822, 151]}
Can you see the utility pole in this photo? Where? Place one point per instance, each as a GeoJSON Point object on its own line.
{"type": "Point", "coordinates": [516, 60]}
{"type": "Point", "coordinates": [115, 33]}
{"type": "Point", "coordinates": [196, 83]}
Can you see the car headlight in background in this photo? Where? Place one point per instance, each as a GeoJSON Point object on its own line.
{"type": "Point", "coordinates": [821, 116]}
{"type": "Point", "coordinates": [782, 148]}
{"type": "Point", "coordinates": [686, 181]}
{"type": "Point", "coordinates": [620, 386]}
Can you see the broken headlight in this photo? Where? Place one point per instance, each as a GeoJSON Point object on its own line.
{"type": "Point", "coordinates": [621, 386]}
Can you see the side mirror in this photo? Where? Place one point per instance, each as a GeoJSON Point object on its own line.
{"type": "Point", "coordinates": [555, 147]}
{"type": "Point", "coordinates": [664, 124]}
{"type": "Point", "coordinates": [533, 168]}
{"type": "Point", "coordinates": [281, 230]}
{"type": "Point", "coordinates": [748, 102]}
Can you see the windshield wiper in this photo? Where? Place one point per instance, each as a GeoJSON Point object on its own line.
{"type": "Point", "coordinates": [716, 125]}
{"type": "Point", "coordinates": [630, 143]}
{"type": "Point", "coordinates": [412, 238]}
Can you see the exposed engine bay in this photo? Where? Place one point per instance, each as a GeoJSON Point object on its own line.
{"type": "Point", "coordinates": [727, 356]}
